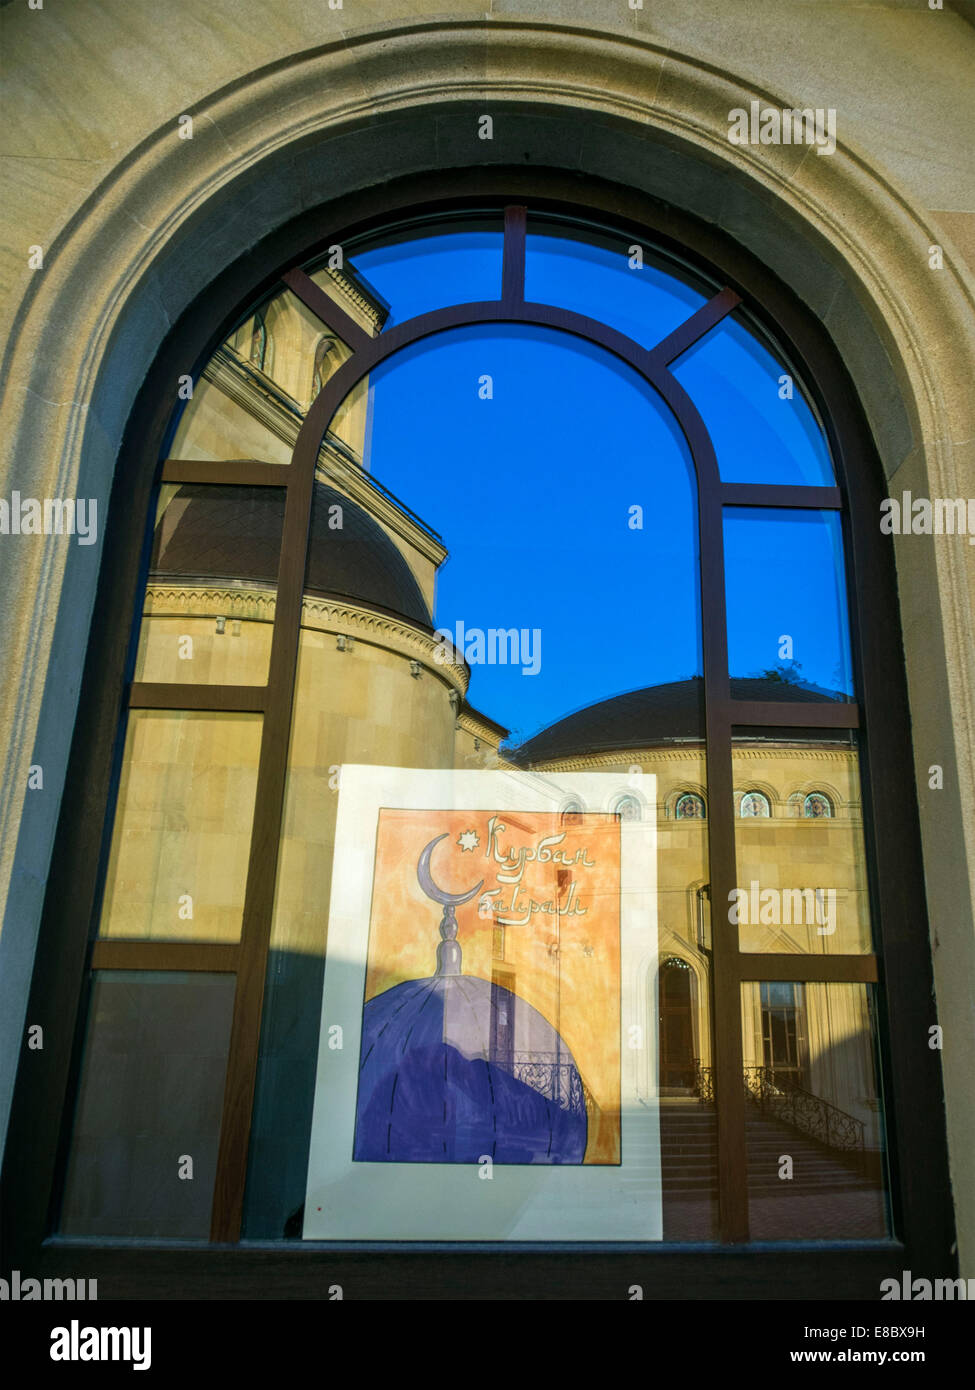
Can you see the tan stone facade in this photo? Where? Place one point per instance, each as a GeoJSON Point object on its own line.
{"type": "Point", "coordinates": [295, 105]}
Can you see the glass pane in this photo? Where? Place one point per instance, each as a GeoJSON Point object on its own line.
{"type": "Point", "coordinates": [600, 275]}
{"type": "Point", "coordinates": [687, 1097]}
{"type": "Point", "coordinates": [414, 269]}
{"type": "Point", "coordinates": [181, 838]}
{"type": "Point", "coordinates": [521, 399]}
{"type": "Point", "coordinates": [785, 586]}
{"type": "Point", "coordinates": [252, 395]}
{"type": "Point", "coordinates": [762, 428]}
{"type": "Point", "coordinates": [150, 1100]}
{"type": "Point", "coordinates": [801, 856]}
{"type": "Point", "coordinates": [209, 605]}
{"type": "Point", "coordinates": [814, 1120]}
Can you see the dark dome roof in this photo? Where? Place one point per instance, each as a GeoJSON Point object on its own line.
{"type": "Point", "coordinates": [435, 1087]}
{"type": "Point", "coordinates": [217, 531]}
{"type": "Point", "coordinates": [660, 714]}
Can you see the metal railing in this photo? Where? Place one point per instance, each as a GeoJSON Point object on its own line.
{"type": "Point", "coordinates": [791, 1105]}
{"type": "Point", "coordinates": [703, 1083]}
{"type": "Point", "coordinates": [805, 1112]}
{"type": "Point", "coordinates": [553, 1077]}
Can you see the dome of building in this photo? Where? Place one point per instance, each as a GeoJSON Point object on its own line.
{"type": "Point", "coordinates": [434, 1087]}
{"type": "Point", "coordinates": [212, 531]}
{"type": "Point", "coordinates": [660, 714]}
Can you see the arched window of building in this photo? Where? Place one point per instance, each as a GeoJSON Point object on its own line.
{"type": "Point", "coordinates": [299, 618]}
{"type": "Point", "coordinates": [323, 348]}
{"type": "Point", "coordinates": [252, 342]}
{"type": "Point", "coordinates": [816, 806]}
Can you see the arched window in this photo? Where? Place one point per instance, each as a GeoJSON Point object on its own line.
{"type": "Point", "coordinates": [323, 348]}
{"type": "Point", "coordinates": [816, 806]}
{"type": "Point", "coordinates": [252, 342]}
{"type": "Point", "coordinates": [300, 619]}
{"type": "Point", "coordinates": [754, 805]}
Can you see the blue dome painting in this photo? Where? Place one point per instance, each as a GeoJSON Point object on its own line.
{"type": "Point", "coordinates": [453, 1068]}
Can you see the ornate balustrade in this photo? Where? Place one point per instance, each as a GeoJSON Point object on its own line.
{"type": "Point", "coordinates": [791, 1105]}
{"type": "Point", "coordinates": [552, 1076]}
{"type": "Point", "coordinates": [802, 1110]}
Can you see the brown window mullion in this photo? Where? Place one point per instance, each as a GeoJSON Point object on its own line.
{"type": "Point", "coordinates": [277, 702]}
{"type": "Point", "coordinates": [215, 956]}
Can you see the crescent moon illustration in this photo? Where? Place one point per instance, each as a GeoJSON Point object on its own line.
{"type": "Point", "coordinates": [430, 888]}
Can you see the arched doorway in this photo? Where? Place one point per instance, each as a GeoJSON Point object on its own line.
{"type": "Point", "coordinates": [677, 993]}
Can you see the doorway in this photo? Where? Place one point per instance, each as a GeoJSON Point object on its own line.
{"type": "Point", "coordinates": [676, 984]}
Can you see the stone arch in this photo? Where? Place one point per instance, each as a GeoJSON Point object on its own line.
{"type": "Point", "coordinates": [170, 215]}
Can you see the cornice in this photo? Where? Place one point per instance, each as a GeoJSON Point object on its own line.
{"type": "Point", "coordinates": [251, 604]}
{"type": "Point", "coordinates": [356, 297]}
{"type": "Point", "coordinates": [256, 604]}
{"type": "Point", "coordinates": [276, 411]}
{"type": "Point", "coordinates": [477, 728]}
{"type": "Point", "coordinates": [257, 393]}
{"type": "Point", "coordinates": [639, 756]}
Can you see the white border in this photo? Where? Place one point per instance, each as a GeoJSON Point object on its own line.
{"type": "Point", "coordinates": [427, 1201]}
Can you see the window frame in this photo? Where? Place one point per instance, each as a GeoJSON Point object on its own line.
{"type": "Point", "coordinates": [910, 1070]}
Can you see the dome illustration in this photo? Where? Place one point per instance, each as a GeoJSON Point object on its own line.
{"type": "Point", "coordinates": [454, 1068]}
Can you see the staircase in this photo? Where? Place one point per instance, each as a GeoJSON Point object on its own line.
{"type": "Point", "coordinates": [688, 1147]}
{"type": "Point", "coordinates": [816, 1169]}
{"type": "Point", "coordinates": [688, 1144]}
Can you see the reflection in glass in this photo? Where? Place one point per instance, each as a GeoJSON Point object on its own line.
{"type": "Point", "coordinates": [182, 833]}
{"type": "Point", "coordinates": [761, 426]}
{"type": "Point", "coordinates": [251, 397]}
{"type": "Point", "coordinates": [814, 1125]}
{"type": "Point", "coordinates": [251, 341]}
{"type": "Point", "coordinates": [601, 276]}
{"type": "Point", "coordinates": [547, 564]}
{"type": "Point", "coordinates": [151, 1094]}
{"type": "Point", "coordinates": [209, 605]}
{"type": "Point", "coordinates": [754, 806]}
{"type": "Point", "coordinates": [785, 589]}
{"type": "Point", "coordinates": [802, 883]}
{"type": "Point", "coordinates": [422, 267]}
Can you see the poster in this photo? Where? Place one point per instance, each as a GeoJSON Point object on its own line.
{"type": "Point", "coordinates": [487, 1065]}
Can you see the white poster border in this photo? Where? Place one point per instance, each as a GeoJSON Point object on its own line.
{"type": "Point", "coordinates": [348, 1200]}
